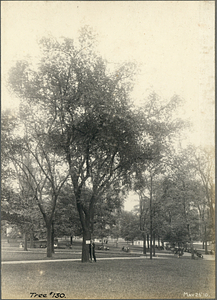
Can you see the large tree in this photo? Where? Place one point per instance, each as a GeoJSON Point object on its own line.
{"type": "Point", "coordinates": [92, 124]}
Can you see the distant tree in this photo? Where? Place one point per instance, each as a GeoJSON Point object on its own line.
{"type": "Point", "coordinates": [180, 204]}
{"type": "Point", "coordinates": [143, 211]}
{"type": "Point", "coordinates": [130, 227]}
{"type": "Point", "coordinates": [105, 212]}
{"type": "Point", "coordinates": [202, 162]}
{"type": "Point", "coordinates": [8, 124]}
{"type": "Point", "coordinates": [39, 170]}
{"type": "Point", "coordinates": [115, 230]}
{"type": "Point", "coordinates": [15, 198]}
{"type": "Point", "coordinates": [18, 209]}
{"type": "Point", "coordinates": [162, 129]}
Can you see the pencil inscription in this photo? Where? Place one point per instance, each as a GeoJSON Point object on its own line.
{"type": "Point", "coordinates": [197, 295]}
{"type": "Point", "coordinates": [52, 294]}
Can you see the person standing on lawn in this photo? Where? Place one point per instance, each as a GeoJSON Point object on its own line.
{"type": "Point", "coordinates": [92, 250]}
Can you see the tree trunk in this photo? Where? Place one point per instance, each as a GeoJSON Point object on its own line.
{"type": "Point", "coordinates": [203, 244]}
{"type": "Point", "coordinates": [31, 239]}
{"type": "Point", "coordinates": [153, 244]}
{"type": "Point", "coordinates": [158, 240]}
{"type": "Point", "coordinates": [206, 252]}
{"type": "Point", "coordinates": [148, 240]}
{"type": "Point", "coordinates": [192, 250]}
{"type": "Point", "coordinates": [86, 218]}
{"type": "Point", "coordinates": [71, 239]}
{"type": "Point", "coordinates": [191, 242]}
{"type": "Point", "coordinates": [85, 246]}
{"type": "Point", "coordinates": [144, 244]}
{"type": "Point", "coordinates": [151, 220]}
{"type": "Point", "coordinates": [52, 236]}
{"type": "Point", "coordinates": [49, 239]}
{"type": "Point", "coordinates": [25, 242]}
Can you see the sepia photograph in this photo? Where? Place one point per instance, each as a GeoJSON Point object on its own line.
{"type": "Point", "coordinates": [108, 149]}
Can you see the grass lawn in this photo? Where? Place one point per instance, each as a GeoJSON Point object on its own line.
{"type": "Point", "coordinates": [11, 254]}
{"type": "Point", "coordinates": [111, 279]}
{"type": "Point", "coordinates": [11, 251]}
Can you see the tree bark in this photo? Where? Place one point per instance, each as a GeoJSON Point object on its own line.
{"type": "Point", "coordinates": [49, 239]}
{"type": "Point", "coordinates": [85, 246]}
{"type": "Point", "coordinates": [206, 252]}
{"type": "Point", "coordinates": [144, 244]}
{"type": "Point", "coordinates": [148, 240]}
{"type": "Point", "coordinates": [52, 236]}
{"type": "Point", "coordinates": [191, 241]}
{"type": "Point", "coordinates": [86, 221]}
{"type": "Point", "coordinates": [153, 244]}
{"type": "Point", "coordinates": [150, 247]}
{"type": "Point", "coordinates": [192, 250]}
{"type": "Point", "coordinates": [71, 238]}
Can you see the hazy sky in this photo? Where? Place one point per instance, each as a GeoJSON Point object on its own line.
{"type": "Point", "coordinates": [172, 41]}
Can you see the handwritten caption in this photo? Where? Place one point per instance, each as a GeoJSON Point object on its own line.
{"type": "Point", "coordinates": [52, 294]}
{"type": "Point", "coordinates": [197, 295]}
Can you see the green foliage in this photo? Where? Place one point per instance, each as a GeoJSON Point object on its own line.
{"type": "Point", "coordinates": [106, 212]}
{"type": "Point", "coordinates": [87, 113]}
{"type": "Point", "coordinates": [79, 122]}
{"type": "Point", "coordinates": [66, 218]}
{"type": "Point", "coordinates": [130, 227]}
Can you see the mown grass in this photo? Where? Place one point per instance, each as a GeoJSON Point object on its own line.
{"type": "Point", "coordinates": [111, 279]}
{"type": "Point", "coordinates": [15, 253]}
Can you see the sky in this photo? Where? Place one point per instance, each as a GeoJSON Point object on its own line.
{"type": "Point", "coordinates": [171, 41]}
